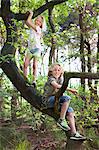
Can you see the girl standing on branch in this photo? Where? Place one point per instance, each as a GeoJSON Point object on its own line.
{"type": "Point", "coordinates": [34, 43]}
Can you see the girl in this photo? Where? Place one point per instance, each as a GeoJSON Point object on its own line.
{"type": "Point", "coordinates": [53, 84]}
{"type": "Point", "coordinates": [34, 43]}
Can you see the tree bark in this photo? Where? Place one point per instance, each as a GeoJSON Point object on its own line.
{"type": "Point", "coordinates": [74, 145]}
{"type": "Point", "coordinates": [1, 98]}
{"type": "Point", "coordinates": [89, 60]}
{"type": "Point", "coordinates": [82, 57]}
{"type": "Point", "coordinates": [96, 82]}
{"type": "Point", "coordinates": [53, 41]}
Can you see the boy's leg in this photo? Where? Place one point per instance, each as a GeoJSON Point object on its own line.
{"type": "Point", "coordinates": [64, 102]}
{"type": "Point", "coordinates": [61, 122]}
{"type": "Point", "coordinates": [71, 120]}
{"type": "Point", "coordinates": [64, 108]}
{"type": "Point", "coordinates": [74, 134]}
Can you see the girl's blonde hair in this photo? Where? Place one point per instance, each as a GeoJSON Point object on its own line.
{"type": "Point", "coordinates": [50, 71]}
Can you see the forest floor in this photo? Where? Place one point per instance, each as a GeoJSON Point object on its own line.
{"type": "Point", "coordinates": [24, 137]}
{"type": "Point", "coordinates": [42, 139]}
{"type": "Point", "coordinates": [30, 139]}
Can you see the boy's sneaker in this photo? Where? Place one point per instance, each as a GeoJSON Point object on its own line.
{"type": "Point", "coordinates": [77, 136]}
{"type": "Point", "coordinates": [63, 124]}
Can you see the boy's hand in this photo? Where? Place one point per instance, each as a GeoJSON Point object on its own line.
{"type": "Point", "coordinates": [73, 91]}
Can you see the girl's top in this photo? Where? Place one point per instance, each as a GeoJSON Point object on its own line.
{"type": "Point", "coordinates": [49, 90]}
{"type": "Point", "coordinates": [34, 41]}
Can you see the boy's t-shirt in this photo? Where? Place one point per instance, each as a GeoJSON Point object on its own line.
{"type": "Point", "coordinates": [49, 90]}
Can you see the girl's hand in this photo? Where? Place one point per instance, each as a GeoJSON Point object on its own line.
{"type": "Point", "coordinates": [30, 14]}
{"type": "Point", "coordinates": [29, 20]}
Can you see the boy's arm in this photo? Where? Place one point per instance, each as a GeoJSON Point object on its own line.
{"type": "Point", "coordinates": [29, 22]}
{"type": "Point", "coordinates": [56, 85]}
{"type": "Point", "coordinates": [72, 90]}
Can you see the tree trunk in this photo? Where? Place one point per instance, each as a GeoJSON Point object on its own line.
{"type": "Point", "coordinates": [89, 62]}
{"type": "Point", "coordinates": [82, 57]}
{"type": "Point", "coordinates": [52, 58]}
{"type": "Point", "coordinates": [1, 99]}
{"type": "Point", "coordinates": [96, 82]}
{"type": "Point", "coordinates": [74, 145]}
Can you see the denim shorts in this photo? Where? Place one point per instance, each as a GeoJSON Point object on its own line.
{"type": "Point", "coordinates": [34, 53]}
{"type": "Point", "coordinates": [61, 101]}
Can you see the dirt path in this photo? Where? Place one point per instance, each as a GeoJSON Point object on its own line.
{"type": "Point", "coordinates": [41, 140]}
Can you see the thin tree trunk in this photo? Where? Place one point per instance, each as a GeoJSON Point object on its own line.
{"type": "Point", "coordinates": [52, 58]}
{"type": "Point", "coordinates": [89, 61]}
{"type": "Point", "coordinates": [1, 99]}
{"type": "Point", "coordinates": [92, 96]}
{"type": "Point", "coordinates": [96, 82]}
{"type": "Point", "coordinates": [82, 57]}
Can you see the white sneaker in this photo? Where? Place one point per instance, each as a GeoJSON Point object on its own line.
{"type": "Point", "coordinates": [77, 136]}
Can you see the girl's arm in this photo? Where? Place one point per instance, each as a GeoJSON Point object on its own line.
{"type": "Point", "coordinates": [29, 22]}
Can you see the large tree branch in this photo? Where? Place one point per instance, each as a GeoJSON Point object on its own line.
{"type": "Point", "coordinates": [47, 6]}
{"type": "Point", "coordinates": [85, 75]}
{"type": "Point", "coordinates": [27, 91]}
{"type": "Point", "coordinates": [41, 9]}
{"type": "Point", "coordinates": [67, 77]}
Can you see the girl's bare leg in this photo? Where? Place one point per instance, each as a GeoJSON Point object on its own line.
{"type": "Point", "coordinates": [26, 64]}
{"type": "Point", "coordinates": [35, 63]}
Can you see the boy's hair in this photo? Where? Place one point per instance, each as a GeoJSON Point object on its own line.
{"type": "Point", "coordinates": [51, 69]}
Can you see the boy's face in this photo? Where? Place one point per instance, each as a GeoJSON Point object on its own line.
{"type": "Point", "coordinates": [57, 71]}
